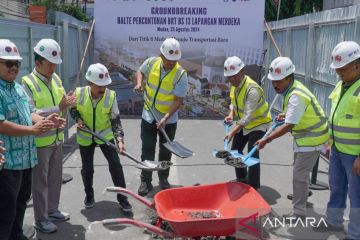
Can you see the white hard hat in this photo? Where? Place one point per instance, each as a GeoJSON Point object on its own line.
{"type": "Point", "coordinates": [49, 49]}
{"type": "Point", "coordinates": [344, 53]}
{"type": "Point", "coordinates": [98, 74]}
{"type": "Point", "coordinates": [170, 48]}
{"type": "Point", "coordinates": [8, 50]}
{"type": "Point", "coordinates": [280, 68]}
{"type": "Point", "coordinates": [232, 66]}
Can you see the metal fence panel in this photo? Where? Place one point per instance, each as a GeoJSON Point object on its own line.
{"type": "Point", "coordinates": [309, 40]}
{"type": "Point", "coordinates": [70, 33]}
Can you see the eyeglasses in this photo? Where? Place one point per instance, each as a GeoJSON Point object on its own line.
{"type": "Point", "coordinates": [10, 64]}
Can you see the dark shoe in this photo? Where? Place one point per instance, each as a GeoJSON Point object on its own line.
{"type": "Point", "coordinates": [89, 202]}
{"type": "Point", "coordinates": [145, 188]}
{"type": "Point", "coordinates": [23, 237]}
{"type": "Point", "coordinates": [324, 226]}
{"type": "Point", "coordinates": [291, 196]}
{"type": "Point", "coordinates": [292, 217]}
{"type": "Point", "coordinates": [125, 205]}
{"type": "Point", "coordinates": [164, 184]}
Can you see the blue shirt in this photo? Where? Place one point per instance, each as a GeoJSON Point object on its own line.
{"type": "Point", "coordinates": [14, 107]}
{"type": "Point", "coordinates": [180, 90]}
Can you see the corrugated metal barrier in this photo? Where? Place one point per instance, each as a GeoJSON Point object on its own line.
{"type": "Point", "coordinates": [309, 40]}
{"type": "Point", "coordinates": [70, 33]}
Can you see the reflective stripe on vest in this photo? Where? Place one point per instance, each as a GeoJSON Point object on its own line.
{"type": "Point", "coordinates": [98, 119]}
{"type": "Point", "coordinates": [261, 115]}
{"type": "Point", "coordinates": [345, 118]}
{"type": "Point", "coordinates": [159, 92]}
{"type": "Point", "coordinates": [312, 130]}
{"type": "Point", "coordinates": [44, 98]}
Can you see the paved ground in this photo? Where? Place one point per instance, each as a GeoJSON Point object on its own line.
{"type": "Point", "coordinates": [202, 136]}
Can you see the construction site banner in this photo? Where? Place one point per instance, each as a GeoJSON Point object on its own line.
{"type": "Point", "coordinates": [129, 31]}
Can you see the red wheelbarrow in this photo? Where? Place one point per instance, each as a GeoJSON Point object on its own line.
{"type": "Point", "coordinates": [197, 211]}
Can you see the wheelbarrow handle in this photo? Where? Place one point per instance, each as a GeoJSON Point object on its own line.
{"type": "Point", "coordinates": [148, 227]}
{"type": "Point", "coordinates": [128, 193]}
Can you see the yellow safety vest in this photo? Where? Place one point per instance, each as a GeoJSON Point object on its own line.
{"type": "Point", "coordinates": [96, 118]}
{"type": "Point", "coordinates": [44, 98]}
{"type": "Point", "coordinates": [345, 119]}
{"type": "Point", "coordinates": [312, 130]}
{"type": "Point", "coordinates": [159, 92]}
{"type": "Point", "coordinates": [238, 98]}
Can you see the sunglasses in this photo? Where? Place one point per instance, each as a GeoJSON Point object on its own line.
{"type": "Point", "coordinates": [10, 64]}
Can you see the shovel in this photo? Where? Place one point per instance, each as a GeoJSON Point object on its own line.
{"type": "Point", "coordinates": [240, 161]}
{"type": "Point", "coordinates": [172, 146]}
{"type": "Point", "coordinates": [224, 153]}
{"type": "Point", "coordinates": [146, 165]}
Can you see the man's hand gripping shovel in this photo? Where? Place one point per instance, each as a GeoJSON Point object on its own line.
{"type": "Point", "coordinates": [173, 146]}
{"type": "Point", "coordinates": [224, 153]}
{"type": "Point", "coordinates": [238, 160]}
{"type": "Point", "coordinates": [146, 165]}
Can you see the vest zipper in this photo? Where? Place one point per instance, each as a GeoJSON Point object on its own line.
{"type": "Point", "coordinates": [157, 90]}
{"type": "Point", "coordinates": [53, 100]}
{"type": "Point", "coordinates": [94, 112]}
{"type": "Point", "coordinates": [332, 119]}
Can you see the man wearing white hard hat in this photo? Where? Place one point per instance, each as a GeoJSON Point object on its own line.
{"type": "Point", "coordinates": [166, 84]}
{"type": "Point", "coordinates": [47, 95]}
{"type": "Point", "coordinates": [306, 121]}
{"type": "Point", "coordinates": [249, 106]}
{"type": "Point", "coordinates": [16, 132]}
{"type": "Point", "coordinates": [97, 110]}
{"type": "Point", "coordinates": [344, 124]}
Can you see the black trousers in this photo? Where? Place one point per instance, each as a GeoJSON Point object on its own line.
{"type": "Point", "coordinates": [149, 134]}
{"type": "Point", "coordinates": [253, 172]}
{"type": "Point", "coordinates": [15, 191]}
{"type": "Point", "coordinates": [87, 170]}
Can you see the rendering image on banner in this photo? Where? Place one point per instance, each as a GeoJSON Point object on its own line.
{"type": "Point", "coordinates": [128, 33]}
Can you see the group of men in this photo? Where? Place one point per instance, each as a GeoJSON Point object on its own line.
{"type": "Point", "coordinates": [33, 164]}
{"type": "Point", "coordinates": [37, 107]}
{"type": "Point", "coordinates": [311, 129]}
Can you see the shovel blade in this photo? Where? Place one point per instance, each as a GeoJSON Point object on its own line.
{"type": "Point", "coordinates": [221, 153]}
{"type": "Point", "coordinates": [179, 150]}
{"type": "Point", "coordinates": [151, 166]}
{"type": "Point", "coordinates": [249, 162]}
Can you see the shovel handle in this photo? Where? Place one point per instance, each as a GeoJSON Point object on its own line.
{"type": "Point", "coordinates": [226, 141]}
{"type": "Point", "coordinates": [152, 113]}
{"type": "Point", "coordinates": [110, 144]}
{"type": "Point", "coordinates": [255, 148]}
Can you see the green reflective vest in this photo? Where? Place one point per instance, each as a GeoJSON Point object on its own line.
{"type": "Point", "coordinates": [238, 98]}
{"type": "Point", "coordinates": [43, 97]}
{"type": "Point", "coordinates": [312, 130]}
{"type": "Point", "coordinates": [97, 118]}
{"type": "Point", "coordinates": [345, 119]}
{"type": "Point", "coordinates": [159, 92]}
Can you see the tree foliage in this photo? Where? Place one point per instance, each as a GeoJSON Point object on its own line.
{"type": "Point", "coordinates": [70, 9]}
{"type": "Point", "coordinates": [291, 8]}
